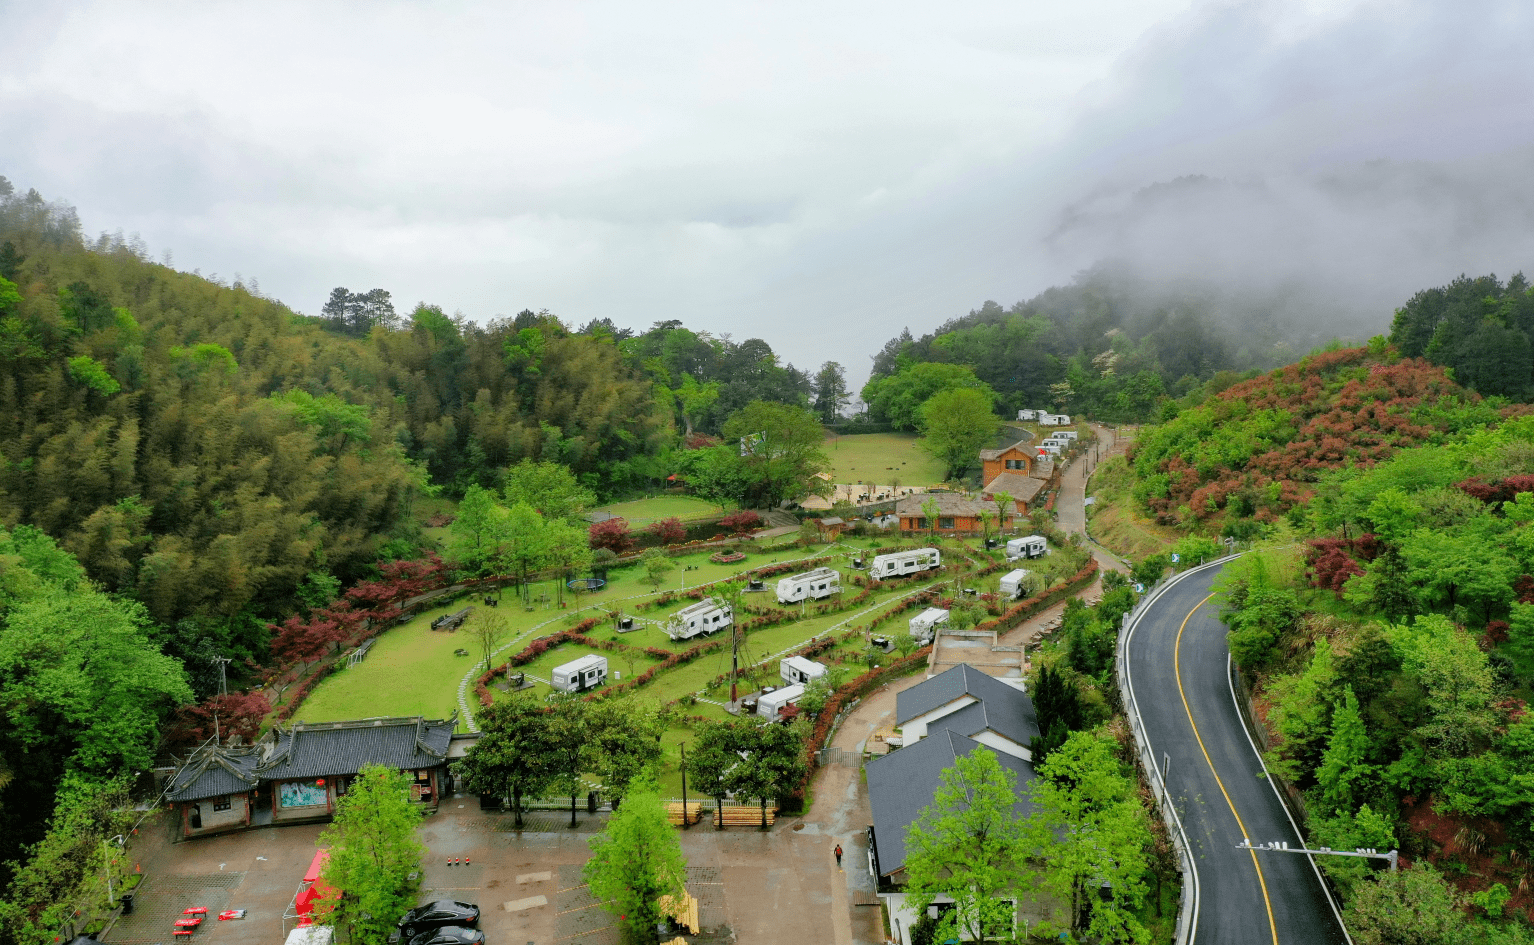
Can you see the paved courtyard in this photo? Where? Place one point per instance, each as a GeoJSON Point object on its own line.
{"type": "Point", "coordinates": [777, 886]}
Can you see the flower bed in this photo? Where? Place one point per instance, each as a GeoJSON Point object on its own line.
{"type": "Point", "coordinates": [726, 557]}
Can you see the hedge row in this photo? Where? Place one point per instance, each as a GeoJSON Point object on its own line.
{"type": "Point", "coordinates": [1031, 606]}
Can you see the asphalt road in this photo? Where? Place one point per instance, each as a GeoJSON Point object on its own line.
{"type": "Point", "coordinates": [1245, 898]}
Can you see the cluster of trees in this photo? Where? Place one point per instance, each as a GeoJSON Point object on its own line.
{"type": "Point", "coordinates": [1086, 827]}
{"type": "Point", "coordinates": [84, 687]}
{"type": "Point", "coordinates": [533, 525]}
{"type": "Point", "coordinates": [1108, 345]}
{"type": "Point", "coordinates": [530, 749]}
{"type": "Point", "coordinates": [747, 758]}
{"type": "Point", "coordinates": [1480, 329]}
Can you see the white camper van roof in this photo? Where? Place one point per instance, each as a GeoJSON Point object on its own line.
{"type": "Point", "coordinates": [1015, 576]}
{"type": "Point", "coordinates": [585, 662]}
{"type": "Point", "coordinates": [806, 666]}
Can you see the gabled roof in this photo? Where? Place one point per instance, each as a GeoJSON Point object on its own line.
{"type": "Point", "coordinates": [327, 749]}
{"type": "Point", "coordinates": [1043, 468]}
{"type": "Point", "coordinates": [213, 772]}
{"type": "Point", "coordinates": [1004, 702]}
{"type": "Point", "coordinates": [1017, 727]}
{"type": "Point", "coordinates": [1020, 488]}
{"type": "Point", "coordinates": [1020, 445]}
{"type": "Point", "coordinates": [903, 783]}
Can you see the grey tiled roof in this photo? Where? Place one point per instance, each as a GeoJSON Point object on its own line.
{"type": "Point", "coordinates": [903, 783]}
{"type": "Point", "coordinates": [949, 685]}
{"type": "Point", "coordinates": [213, 772]}
{"type": "Point", "coordinates": [1022, 488]}
{"type": "Point", "coordinates": [328, 749]}
{"type": "Point", "coordinates": [1012, 719]}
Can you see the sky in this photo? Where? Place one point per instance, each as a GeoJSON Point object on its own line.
{"type": "Point", "coordinates": [817, 175]}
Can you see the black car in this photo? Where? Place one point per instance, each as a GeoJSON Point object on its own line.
{"type": "Point", "coordinates": [434, 915]}
{"type": "Point", "coordinates": [450, 935]}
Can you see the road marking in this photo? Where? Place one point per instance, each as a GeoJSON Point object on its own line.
{"type": "Point", "coordinates": [1177, 666]}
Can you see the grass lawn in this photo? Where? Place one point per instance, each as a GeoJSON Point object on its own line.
{"type": "Point", "coordinates": [544, 665]}
{"type": "Point", "coordinates": [641, 512]}
{"type": "Point", "coordinates": [411, 670]}
{"type": "Point", "coordinates": [881, 458]}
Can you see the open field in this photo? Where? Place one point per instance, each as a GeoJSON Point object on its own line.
{"type": "Point", "coordinates": [641, 512]}
{"type": "Point", "coordinates": [411, 670]}
{"type": "Point", "coordinates": [881, 458]}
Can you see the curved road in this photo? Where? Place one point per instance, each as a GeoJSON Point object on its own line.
{"type": "Point", "coordinates": [1178, 670]}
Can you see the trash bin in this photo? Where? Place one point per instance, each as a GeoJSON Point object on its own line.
{"type": "Point", "coordinates": [127, 903]}
{"type": "Point", "coordinates": [591, 802]}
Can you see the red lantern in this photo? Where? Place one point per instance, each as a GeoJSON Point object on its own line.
{"type": "Point", "coordinates": [319, 782]}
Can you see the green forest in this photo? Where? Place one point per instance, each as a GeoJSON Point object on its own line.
{"type": "Point", "coordinates": [1386, 623]}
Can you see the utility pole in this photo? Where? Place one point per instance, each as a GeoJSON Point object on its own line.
{"type": "Point", "coordinates": [684, 786]}
{"type": "Point", "coordinates": [1282, 846]}
{"type": "Point", "coordinates": [106, 864]}
{"type": "Point", "coordinates": [223, 681]}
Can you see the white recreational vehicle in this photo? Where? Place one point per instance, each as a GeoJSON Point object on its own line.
{"type": "Point", "coordinates": [1033, 546]}
{"type": "Point", "coordinates": [811, 585]}
{"type": "Point", "coordinates": [1054, 419]}
{"type": "Point", "coordinates": [1067, 434]}
{"type": "Point", "coordinates": [1015, 583]}
{"type": "Point", "coordinates": [769, 704]}
{"type": "Point", "coordinates": [901, 563]}
{"type": "Point", "coordinates": [925, 624]}
{"type": "Point", "coordinates": [588, 672]}
{"type": "Point", "coordinates": [1049, 449]}
{"type": "Point", "coordinates": [1026, 414]}
{"type": "Point", "coordinates": [797, 669]}
{"type": "Point", "coordinates": [706, 616]}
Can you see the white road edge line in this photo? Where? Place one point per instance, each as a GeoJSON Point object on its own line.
{"type": "Point", "coordinates": [1235, 700]}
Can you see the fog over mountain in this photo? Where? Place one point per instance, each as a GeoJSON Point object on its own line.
{"type": "Point", "coordinates": [816, 177]}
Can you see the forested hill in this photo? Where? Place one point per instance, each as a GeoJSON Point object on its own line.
{"type": "Point", "coordinates": [220, 457]}
{"type": "Point", "coordinates": [1258, 449]}
{"type": "Point", "coordinates": [1480, 328]}
{"type": "Point", "coordinates": [1109, 344]}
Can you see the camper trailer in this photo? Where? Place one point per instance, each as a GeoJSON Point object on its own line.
{"type": "Point", "coordinates": [924, 625]}
{"type": "Point", "coordinates": [796, 670]}
{"type": "Point", "coordinates": [1026, 414]}
{"type": "Point", "coordinates": [901, 563]}
{"type": "Point", "coordinates": [588, 672]}
{"type": "Point", "coordinates": [811, 585]}
{"type": "Point", "coordinates": [1067, 434]}
{"type": "Point", "coordinates": [1033, 546]}
{"type": "Point", "coordinates": [769, 704]}
{"type": "Point", "coordinates": [1015, 584]}
{"type": "Point", "coordinates": [706, 616]}
{"type": "Point", "coordinates": [1049, 450]}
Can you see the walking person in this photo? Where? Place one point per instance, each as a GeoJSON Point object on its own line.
{"type": "Point", "coordinates": [838, 856]}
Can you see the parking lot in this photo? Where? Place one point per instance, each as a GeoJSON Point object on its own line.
{"type": "Point", "coordinates": [781, 885]}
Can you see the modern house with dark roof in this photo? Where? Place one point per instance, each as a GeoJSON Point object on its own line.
{"type": "Point", "coordinates": [977, 706]}
{"type": "Point", "coordinates": [901, 785]}
{"type": "Point", "coordinates": [303, 769]}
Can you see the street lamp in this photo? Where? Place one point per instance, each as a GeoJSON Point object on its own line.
{"type": "Point", "coordinates": [106, 864]}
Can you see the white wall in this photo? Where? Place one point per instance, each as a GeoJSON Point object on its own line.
{"type": "Point", "coordinates": [917, 727]}
{"type": "Point", "coordinates": [1004, 745]}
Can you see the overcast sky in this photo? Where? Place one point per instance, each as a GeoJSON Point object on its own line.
{"type": "Point", "coordinates": [815, 177]}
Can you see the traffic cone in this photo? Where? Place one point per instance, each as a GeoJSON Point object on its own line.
{"type": "Point", "coordinates": [452, 861]}
{"type": "Point", "coordinates": [465, 861]}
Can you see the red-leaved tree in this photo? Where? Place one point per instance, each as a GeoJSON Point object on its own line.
{"type": "Point", "coordinates": [234, 714]}
{"type": "Point", "coordinates": [741, 523]}
{"type": "Point", "coordinates": [612, 534]}
{"type": "Point", "coordinates": [669, 531]}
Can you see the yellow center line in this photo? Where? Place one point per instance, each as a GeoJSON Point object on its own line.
{"type": "Point", "coordinates": [1177, 666]}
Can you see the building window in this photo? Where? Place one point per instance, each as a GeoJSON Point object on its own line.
{"type": "Point", "coordinates": [921, 523]}
{"type": "Point", "coordinates": [945, 523]}
{"type": "Point", "coordinates": [221, 803]}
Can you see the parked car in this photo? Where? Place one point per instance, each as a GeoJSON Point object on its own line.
{"type": "Point", "coordinates": [450, 935]}
{"type": "Point", "coordinates": [434, 915]}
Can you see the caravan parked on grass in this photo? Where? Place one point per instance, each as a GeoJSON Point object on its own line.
{"type": "Point", "coordinates": [1015, 584]}
{"type": "Point", "coordinates": [797, 670]}
{"type": "Point", "coordinates": [924, 625]}
{"type": "Point", "coordinates": [588, 672]}
{"type": "Point", "coordinates": [901, 563]}
{"type": "Point", "coordinates": [811, 585]}
{"type": "Point", "coordinates": [769, 704]}
{"type": "Point", "coordinates": [1033, 546]}
{"type": "Point", "coordinates": [708, 615]}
